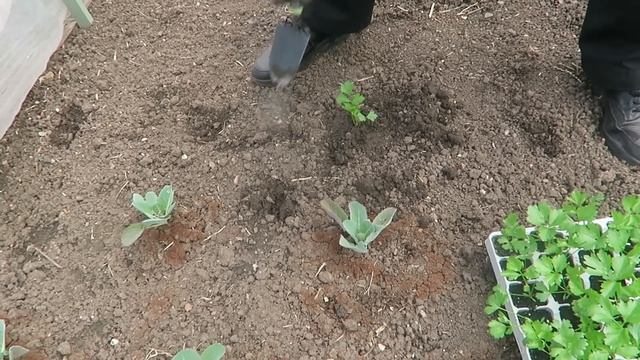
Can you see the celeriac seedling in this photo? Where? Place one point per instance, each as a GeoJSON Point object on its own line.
{"type": "Point", "coordinates": [13, 352]}
{"type": "Point", "coordinates": [213, 352]}
{"type": "Point", "coordinates": [361, 230]}
{"type": "Point", "coordinates": [352, 101]}
{"type": "Point", "coordinates": [157, 209]}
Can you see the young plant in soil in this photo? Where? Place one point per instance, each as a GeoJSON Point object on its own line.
{"type": "Point", "coordinates": [554, 261]}
{"type": "Point", "coordinates": [361, 230]}
{"type": "Point", "coordinates": [156, 207]}
{"type": "Point", "coordinates": [352, 102]}
{"type": "Point", "coordinates": [13, 352]}
{"type": "Point", "coordinates": [213, 352]}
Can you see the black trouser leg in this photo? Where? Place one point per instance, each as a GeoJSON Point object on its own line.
{"type": "Point", "coordinates": [338, 17]}
{"type": "Point", "coordinates": [610, 44]}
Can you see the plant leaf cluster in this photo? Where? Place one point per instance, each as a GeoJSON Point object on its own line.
{"type": "Point", "coordinates": [357, 225]}
{"type": "Point", "coordinates": [212, 352]}
{"type": "Point", "coordinates": [565, 249]}
{"type": "Point", "coordinates": [156, 208]}
{"type": "Point", "coordinates": [352, 102]}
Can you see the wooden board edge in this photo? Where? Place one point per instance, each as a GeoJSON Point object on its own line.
{"type": "Point", "coordinates": [70, 24]}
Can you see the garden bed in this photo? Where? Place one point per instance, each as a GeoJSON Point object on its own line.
{"type": "Point", "coordinates": [482, 109]}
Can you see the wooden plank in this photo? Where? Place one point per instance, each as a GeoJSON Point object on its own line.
{"type": "Point", "coordinates": [70, 24]}
{"type": "Point", "coordinates": [80, 13]}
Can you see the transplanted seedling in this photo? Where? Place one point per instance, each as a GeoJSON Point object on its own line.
{"type": "Point", "coordinates": [213, 352]}
{"type": "Point", "coordinates": [157, 209]}
{"type": "Point", "coordinates": [352, 102]}
{"type": "Point", "coordinates": [13, 352]}
{"type": "Point", "coordinates": [361, 230]}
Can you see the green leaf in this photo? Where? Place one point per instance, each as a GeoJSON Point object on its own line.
{"type": "Point", "coordinates": [2, 337]}
{"type": "Point", "coordinates": [357, 99]}
{"type": "Point", "coordinates": [497, 329]}
{"type": "Point", "coordinates": [151, 223]}
{"type": "Point", "coordinates": [17, 352]}
{"type": "Point", "coordinates": [616, 336]}
{"type": "Point", "coordinates": [351, 227]}
{"type": "Point", "coordinates": [151, 198]}
{"type": "Point", "coordinates": [535, 215]}
{"type": "Point", "coordinates": [496, 300]}
{"type": "Point", "coordinates": [567, 344]}
{"type": "Point", "coordinates": [557, 217]}
{"type": "Point", "coordinates": [347, 87]}
{"type": "Point", "coordinates": [586, 237]}
{"type": "Point", "coordinates": [587, 213]}
{"type": "Point", "coordinates": [599, 355]}
{"type": "Point", "coordinates": [559, 262]}
{"type": "Point", "coordinates": [628, 351]}
{"type": "Point", "coordinates": [547, 234]}
{"type": "Point", "coordinates": [514, 268]}
{"type": "Point", "coordinates": [334, 210]}
{"type": "Point", "coordinates": [358, 213]}
{"type": "Point", "coordinates": [543, 293]}
{"type": "Point", "coordinates": [543, 265]}
{"type": "Point", "coordinates": [631, 204]}
{"type": "Point", "coordinates": [537, 333]}
{"type": "Point", "coordinates": [622, 267]}
{"type": "Point", "coordinates": [599, 265]}
{"type": "Point", "coordinates": [634, 331]}
{"type": "Point", "coordinates": [629, 310]}
{"type": "Point", "coordinates": [372, 116]}
{"type": "Point", "coordinates": [617, 240]}
{"type": "Point", "coordinates": [131, 234]}
{"type": "Point", "coordinates": [349, 245]}
{"type": "Point", "coordinates": [385, 217]}
{"type": "Point", "coordinates": [213, 352]}
{"type": "Point", "coordinates": [342, 99]}
{"type": "Point", "coordinates": [609, 288]}
{"type": "Point", "coordinates": [602, 314]}
{"type": "Point", "coordinates": [143, 206]}
{"type": "Point", "coordinates": [187, 354]}
{"type": "Point", "coordinates": [165, 200]}
{"type": "Point", "coordinates": [576, 284]}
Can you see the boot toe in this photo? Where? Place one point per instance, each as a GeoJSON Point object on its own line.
{"type": "Point", "coordinates": [260, 72]}
{"type": "Point", "coordinates": [621, 126]}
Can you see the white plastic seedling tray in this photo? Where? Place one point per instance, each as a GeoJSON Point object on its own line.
{"type": "Point", "coordinates": [554, 309]}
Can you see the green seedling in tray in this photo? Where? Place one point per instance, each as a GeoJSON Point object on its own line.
{"type": "Point", "coordinates": [156, 207]}
{"type": "Point", "coordinates": [13, 352]}
{"type": "Point", "coordinates": [603, 322]}
{"type": "Point", "coordinates": [213, 352]}
{"type": "Point", "coordinates": [361, 230]}
{"type": "Point", "coordinates": [352, 102]}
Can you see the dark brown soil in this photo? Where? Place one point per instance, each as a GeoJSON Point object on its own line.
{"type": "Point", "coordinates": [483, 110]}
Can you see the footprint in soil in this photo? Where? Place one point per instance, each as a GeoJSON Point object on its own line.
{"type": "Point", "coordinates": [271, 197]}
{"type": "Point", "coordinates": [69, 125]}
{"type": "Point", "coordinates": [207, 121]}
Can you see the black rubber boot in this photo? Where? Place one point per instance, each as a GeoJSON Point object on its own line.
{"type": "Point", "coordinates": [621, 124]}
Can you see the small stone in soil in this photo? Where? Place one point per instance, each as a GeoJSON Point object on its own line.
{"type": "Point", "coordinates": [225, 256]}
{"type": "Point", "coordinates": [350, 325]}
{"type": "Point", "coordinates": [64, 348]}
{"type": "Point", "coordinates": [325, 277]}
{"type": "Point", "coordinates": [450, 172]}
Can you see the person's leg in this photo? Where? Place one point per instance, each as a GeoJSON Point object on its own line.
{"type": "Point", "coordinates": [610, 45]}
{"type": "Point", "coordinates": [338, 17]}
{"type": "Point", "coordinates": [328, 20]}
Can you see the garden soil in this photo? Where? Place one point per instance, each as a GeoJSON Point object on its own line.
{"type": "Point", "coordinates": [483, 110]}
